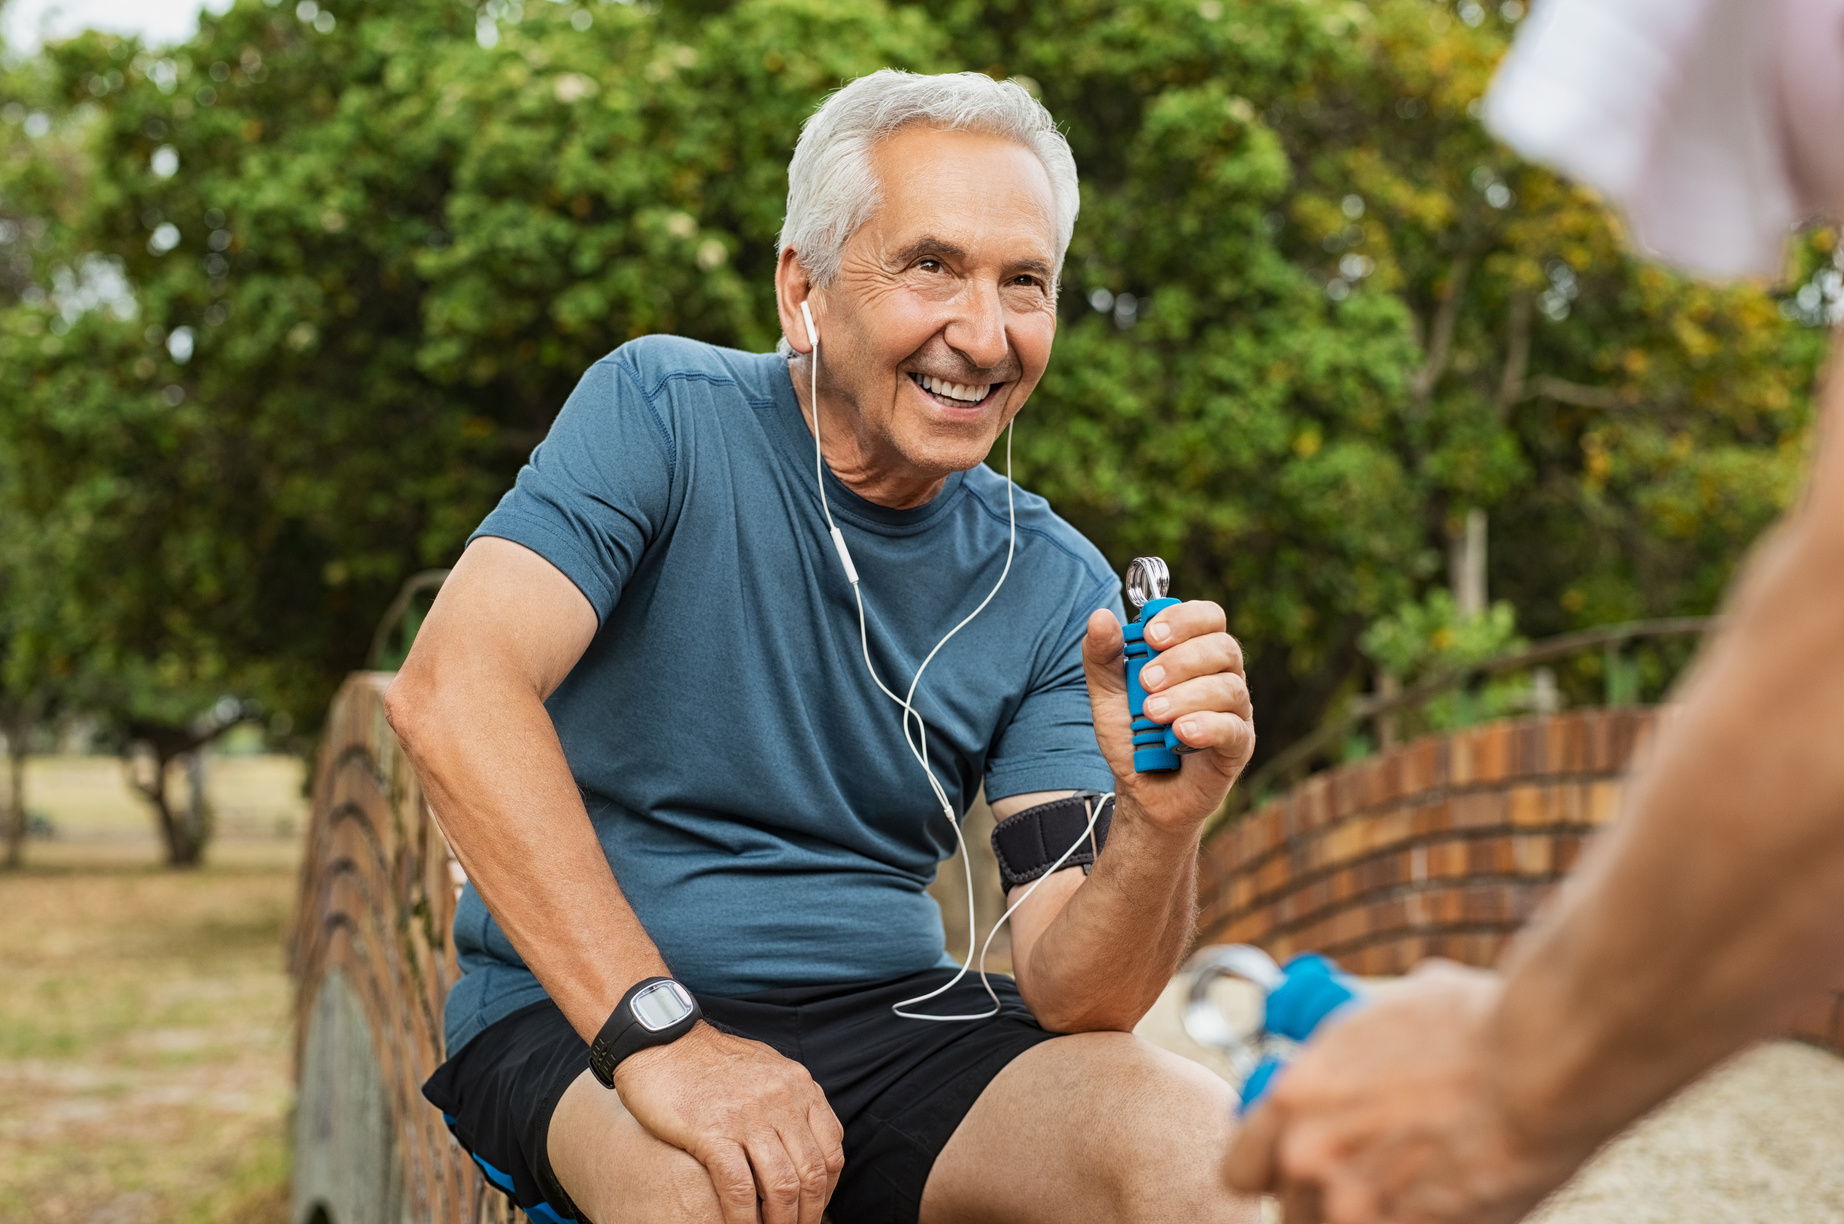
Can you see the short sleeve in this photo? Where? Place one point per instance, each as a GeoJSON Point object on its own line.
{"type": "Point", "coordinates": [1050, 742]}
{"type": "Point", "coordinates": [597, 490]}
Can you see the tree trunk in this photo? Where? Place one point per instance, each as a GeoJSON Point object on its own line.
{"type": "Point", "coordinates": [184, 833]}
{"type": "Point", "coordinates": [18, 729]}
{"type": "Point", "coordinates": [16, 799]}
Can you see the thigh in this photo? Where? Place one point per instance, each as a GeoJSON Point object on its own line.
{"type": "Point", "coordinates": [1091, 1127]}
{"type": "Point", "coordinates": [616, 1171]}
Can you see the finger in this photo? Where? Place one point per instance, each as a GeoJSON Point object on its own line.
{"type": "Point", "coordinates": [1230, 737]}
{"type": "Point", "coordinates": [777, 1182]}
{"type": "Point", "coordinates": [831, 1137]}
{"type": "Point", "coordinates": [1193, 618]}
{"type": "Point", "coordinates": [1104, 653]}
{"type": "Point", "coordinates": [1104, 665]}
{"type": "Point", "coordinates": [735, 1184]}
{"type": "Point", "coordinates": [1250, 1166]}
{"type": "Point", "coordinates": [1223, 693]}
{"type": "Point", "coordinates": [803, 1148]}
{"type": "Point", "coordinates": [1300, 1204]}
{"type": "Point", "coordinates": [1210, 655]}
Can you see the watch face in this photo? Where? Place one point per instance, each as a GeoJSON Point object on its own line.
{"type": "Point", "coordinates": [662, 1005]}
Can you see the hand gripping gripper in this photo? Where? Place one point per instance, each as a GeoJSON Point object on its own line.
{"type": "Point", "coordinates": [1296, 1000]}
{"type": "Point", "coordinates": [1155, 747]}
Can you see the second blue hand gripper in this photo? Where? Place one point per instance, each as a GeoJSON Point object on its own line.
{"type": "Point", "coordinates": [1155, 746]}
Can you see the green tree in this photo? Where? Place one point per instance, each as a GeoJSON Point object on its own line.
{"type": "Point", "coordinates": [1312, 316]}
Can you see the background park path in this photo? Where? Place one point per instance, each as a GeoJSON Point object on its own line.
{"type": "Point", "coordinates": [144, 1013]}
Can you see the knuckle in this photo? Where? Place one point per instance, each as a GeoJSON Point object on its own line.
{"type": "Point", "coordinates": [782, 1190]}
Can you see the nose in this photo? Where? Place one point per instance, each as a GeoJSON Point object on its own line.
{"type": "Point", "coordinates": [977, 331]}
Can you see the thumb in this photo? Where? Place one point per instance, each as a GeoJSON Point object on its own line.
{"type": "Point", "coordinates": [1104, 664]}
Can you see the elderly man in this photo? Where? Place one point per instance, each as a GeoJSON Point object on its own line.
{"type": "Point", "coordinates": [657, 733]}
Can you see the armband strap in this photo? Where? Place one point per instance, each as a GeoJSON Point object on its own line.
{"type": "Point", "coordinates": [1026, 843]}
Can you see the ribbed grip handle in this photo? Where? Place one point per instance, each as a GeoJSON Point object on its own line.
{"type": "Point", "coordinates": [1155, 746]}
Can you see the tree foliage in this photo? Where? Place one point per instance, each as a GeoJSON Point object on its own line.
{"type": "Point", "coordinates": [359, 251]}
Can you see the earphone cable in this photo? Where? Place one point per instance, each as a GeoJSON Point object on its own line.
{"type": "Point", "coordinates": [918, 740]}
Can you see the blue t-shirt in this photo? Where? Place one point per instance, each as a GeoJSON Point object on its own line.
{"type": "Point", "coordinates": [747, 780]}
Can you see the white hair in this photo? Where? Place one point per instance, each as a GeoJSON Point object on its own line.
{"type": "Point", "coordinates": [833, 188]}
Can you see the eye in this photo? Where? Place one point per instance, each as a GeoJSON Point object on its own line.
{"type": "Point", "coordinates": [928, 263]}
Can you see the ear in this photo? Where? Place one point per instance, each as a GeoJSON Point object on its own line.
{"type": "Point", "coordinates": [792, 287]}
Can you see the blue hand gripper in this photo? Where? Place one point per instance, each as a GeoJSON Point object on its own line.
{"type": "Point", "coordinates": [1156, 747]}
{"type": "Point", "coordinates": [1297, 1000]}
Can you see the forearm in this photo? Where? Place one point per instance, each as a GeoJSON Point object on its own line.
{"type": "Point", "coordinates": [1102, 960]}
{"type": "Point", "coordinates": [1712, 907]}
{"type": "Point", "coordinates": [499, 786]}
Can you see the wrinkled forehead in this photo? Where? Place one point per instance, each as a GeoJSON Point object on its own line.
{"type": "Point", "coordinates": [989, 194]}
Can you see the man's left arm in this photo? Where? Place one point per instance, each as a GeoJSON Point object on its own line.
{"type": "Point", "coordinates": [1093, 952]}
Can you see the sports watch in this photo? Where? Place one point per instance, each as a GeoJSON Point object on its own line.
{"type": "Point", "coordinates": [653, 1012]}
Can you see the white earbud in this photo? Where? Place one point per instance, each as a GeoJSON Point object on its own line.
{"type": "Point", "coordinates": [813, 333]}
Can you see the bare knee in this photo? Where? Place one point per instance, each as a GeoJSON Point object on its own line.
{"type": "Point", "coordinates": [674, 1190]}
{"type": "Point", "coordinates": [616, 1172]}
{"type": "Point", "coordinates": [1173, 1122]}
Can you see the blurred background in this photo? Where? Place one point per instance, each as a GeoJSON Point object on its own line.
{"type": "Point", "coordinates": [288, 291]}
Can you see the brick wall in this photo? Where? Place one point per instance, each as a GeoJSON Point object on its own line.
{"type": "Point", "coordinates": [1444, 847]}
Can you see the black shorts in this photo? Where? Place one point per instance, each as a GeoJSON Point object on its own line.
{"type": "Point", "coordinates": [898, 1086]}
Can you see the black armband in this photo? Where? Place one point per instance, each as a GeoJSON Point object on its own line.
{"type": "Point", "coordinates": [1028, 842]}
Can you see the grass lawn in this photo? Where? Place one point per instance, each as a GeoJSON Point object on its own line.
{"type": "Point", "coordinates": [145, 1071]}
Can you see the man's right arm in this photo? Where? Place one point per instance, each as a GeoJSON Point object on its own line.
{"type": "Point", "coordinates": [468, 706]}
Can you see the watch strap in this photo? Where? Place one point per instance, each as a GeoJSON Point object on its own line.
{"type": "Point", "coordinates": [623, 1034]}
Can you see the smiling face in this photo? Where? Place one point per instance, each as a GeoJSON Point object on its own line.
{"type": "Point", "coordinates": [940, 321]}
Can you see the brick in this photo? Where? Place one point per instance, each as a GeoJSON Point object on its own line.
{"type": "Point", "coordinates": [1492, 752]}
{"type": "Point", "coordinates": [1529, 755]}
{"type": "Point", "coordinates": [1481, 810]}
{"type": "Point", "coordinates": [1566, 743]}
{"type": "Point", "coordinates": [1461, 754]}
{"type": "Point", "coordinates": [1483, 903]}
{"type": "Point", "coordinates": [1391, 776]}
{"type": "Point", "coordinates": [1429, 819]}
{"type": "Point", "coordinates": [1423, 767]}
{"type": "Point", "coordinates": [1314, 804]}
{"type": "Point", "coordinates": [1271, 878]}
{"type": "Point", "coordinates": [1394, 827]}
{"type": "Point", "coordinates": [1532, 804]}
{"type": "Point", "coordinates": [1343, 844]}
{"type": "Point", "coordinates": [1447, 860]}
{"type": "Point", "coordinates": [1604, 800]}
{"type": "Point", "coordinates": [1532, 855]}
{"type": "Point", "coordinates": [1241, 891]}
{"type": "Point", "coordinates": [1569, 802]}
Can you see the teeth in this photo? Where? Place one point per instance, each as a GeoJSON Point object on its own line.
{"type": "Point", "coordinates": [955, 391]}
